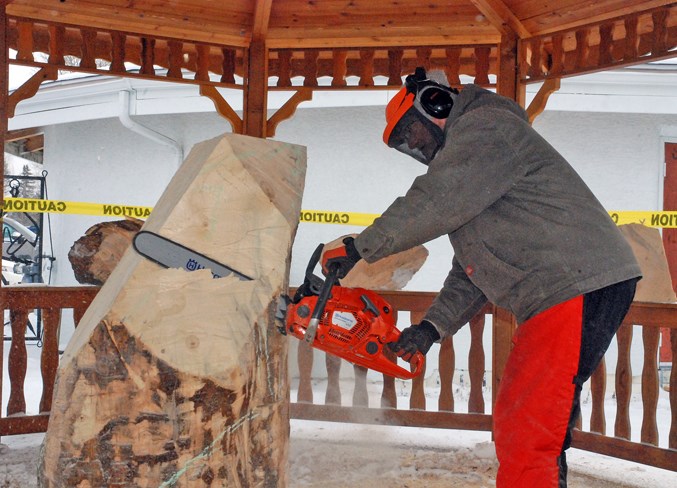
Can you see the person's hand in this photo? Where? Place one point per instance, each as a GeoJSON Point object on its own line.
{"type": "Point", "coordinates": [340, 252]}
{"type": "Point", "coordinates": [413, 339]}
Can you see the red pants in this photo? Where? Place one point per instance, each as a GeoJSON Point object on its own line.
{"type": "Point", "coordinates": [535, 397]}
{"type": "Point", "coordinates": [537, 405]}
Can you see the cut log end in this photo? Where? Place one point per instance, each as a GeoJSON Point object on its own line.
{"type": "Point", "coordinates": [94, 256]}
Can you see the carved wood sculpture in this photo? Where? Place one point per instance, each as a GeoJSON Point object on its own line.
{"type": "Point", "coordinates": [391, 273]}
{"type": "Point", "coordinates": [174, 378]}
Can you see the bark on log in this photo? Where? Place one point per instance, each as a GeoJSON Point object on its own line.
{"type": "Point", "coordinates": [176, 379]}
{"type": "Point", "coordinates": [94, 256]}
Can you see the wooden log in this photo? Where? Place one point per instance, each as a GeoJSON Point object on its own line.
{"type": "Point", "coordinates": [176, 379]}
{"type": "Point", "coordinates": [391, 273]}
{"type": "Point", "coordinates": [94, 255]}
{"type": "Point", "coordinates": [647, 245]}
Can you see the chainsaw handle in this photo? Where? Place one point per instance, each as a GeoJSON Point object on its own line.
{"type": "Point", "coordinates": [391, 368]}
{"type": "Point", "coordinates": [323, 294]}
{"type": "Point", "coordinates": [417, 362]}
{"type": "Point", "coordinates": [314, 259]}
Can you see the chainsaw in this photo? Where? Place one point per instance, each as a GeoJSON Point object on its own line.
{"type": "Point", "coordinates": [352, 323]}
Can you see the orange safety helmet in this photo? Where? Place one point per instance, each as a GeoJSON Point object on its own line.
{"type": "Point", "coordinates": [395, 110]}
{"type": "Point", "coordinates": [409, 115]}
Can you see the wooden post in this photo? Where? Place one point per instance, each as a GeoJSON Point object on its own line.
{"type": "Point", "coordinates": [507, 80]}
{"type": "Point", "coordinates": [174, 378]}
{"type": "Point", "coordinates": [4, 86]}
{"type": "Point", "coordinates": [255, 116]}
{"type": "Point", "coordinates": [4, 95]}
{"type": "Point", "coordinates": [504, 325]}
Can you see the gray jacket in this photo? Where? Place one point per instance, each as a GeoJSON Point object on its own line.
{"type": "Point", "coordinates": [527, 232]}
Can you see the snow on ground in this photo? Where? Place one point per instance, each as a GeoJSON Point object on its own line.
{"type": "Point", "coordinates": [335, 455]}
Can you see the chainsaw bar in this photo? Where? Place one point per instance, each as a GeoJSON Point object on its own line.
{"type": "Point", "coordinates": [170, 254]}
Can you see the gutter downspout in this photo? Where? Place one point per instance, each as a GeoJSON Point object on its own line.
{"type": "Point", "coordinates": [126, 120]}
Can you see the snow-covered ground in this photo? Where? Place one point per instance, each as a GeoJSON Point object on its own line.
{"type": "Point", "coordinates": [335, 455]}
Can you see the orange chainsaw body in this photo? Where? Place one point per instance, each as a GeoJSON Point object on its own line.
{"type": "Point", "coordinates": [356, 325]}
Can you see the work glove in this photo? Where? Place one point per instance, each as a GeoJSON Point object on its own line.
{"type": "Point", "coordinates": [413, 339]}
{"type": "Point", "coordinates": [341, 252]}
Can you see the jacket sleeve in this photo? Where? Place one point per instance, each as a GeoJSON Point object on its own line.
{"type": "Point", "coordinates": [477, 166]}
{"type": "Point", "coordinates": [458, 302]}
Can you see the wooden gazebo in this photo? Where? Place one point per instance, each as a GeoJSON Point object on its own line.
{"type": "Point", "coordinates": [262, 45]}
{"type": "Point", "coordinates": [301, 46]}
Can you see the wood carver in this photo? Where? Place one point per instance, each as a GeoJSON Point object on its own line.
{"type": "Point", "coordinates": [174, 378]}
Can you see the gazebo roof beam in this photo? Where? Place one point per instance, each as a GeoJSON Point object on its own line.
{"type": "Point", "coordinates": [261, 19]}
{"type": "Point", "coordinates": [501, 17]}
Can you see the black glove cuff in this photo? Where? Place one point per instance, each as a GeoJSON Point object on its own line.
{"type": "Point", "coordinates": [428, 327]}
{"type": "Point", "coordinates": [351, 250]}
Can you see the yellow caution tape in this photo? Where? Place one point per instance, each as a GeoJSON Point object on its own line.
{"type": "Point", "coordinates": [342, 218]}
{"type": "Point", "coordinates": [659, 219]}
{"type": "Point", "coordinates": [34, 205]}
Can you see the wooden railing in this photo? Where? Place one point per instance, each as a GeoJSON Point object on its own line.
{"type": "Point", "coordinates": [614, 43]}
{"type": "Point", "coordinates": [21, 301]}
{"type": "Point", "coordinates": [650, 318]}
{"type": "Point", "coordinates": [109, 52]}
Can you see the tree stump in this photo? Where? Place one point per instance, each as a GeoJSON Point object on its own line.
{"type": "Point", "coordinates": [176, 379]}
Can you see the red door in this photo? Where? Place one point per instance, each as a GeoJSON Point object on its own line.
{"type": "Point", "coordinates": [669, 235]}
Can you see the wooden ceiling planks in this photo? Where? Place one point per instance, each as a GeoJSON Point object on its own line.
{"type": "Point", "coordinates": [197, 21]}
{"type": "Point", "coordinates": [331, 23]}
{"type": "Point", "coordinates": [544, 17]}
{"type": "Point", "coordinates": [303, 24]}
{"type": "Point", "coordinates": [292, 23]}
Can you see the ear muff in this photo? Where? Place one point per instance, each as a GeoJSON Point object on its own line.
{"type": "Point", "coordinates": [436, 101]}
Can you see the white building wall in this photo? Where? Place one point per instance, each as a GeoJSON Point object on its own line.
{"type": "Point", "coordinates": [619, 155]}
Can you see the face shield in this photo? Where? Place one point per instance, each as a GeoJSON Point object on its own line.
{"type": "Point", "coordinates": [416, 136]}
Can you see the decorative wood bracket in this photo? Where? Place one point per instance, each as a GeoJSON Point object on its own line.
{"type": "Point", "coordinates": [222, 107]}
{"type": "Point", "coordinates": [537, 105]}
{"type": "Point", "coordinates": [287, 110]}
{"type": "Point", "coordinates": [30, 88]}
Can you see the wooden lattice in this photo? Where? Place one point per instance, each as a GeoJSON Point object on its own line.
{"type": "Point", "coordinates": [614, 43]}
